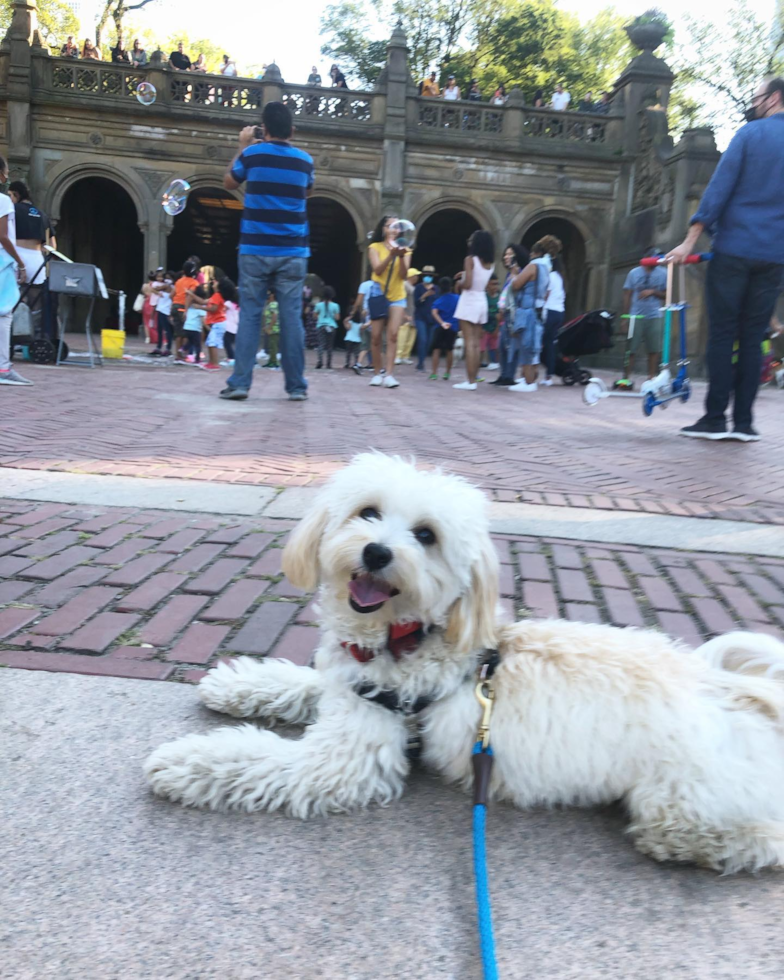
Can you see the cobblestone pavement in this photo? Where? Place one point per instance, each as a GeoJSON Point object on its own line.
{"type": "Point", "coordinates": [156, 420]}
{"type": "Point", "coordinates": [158, 595]}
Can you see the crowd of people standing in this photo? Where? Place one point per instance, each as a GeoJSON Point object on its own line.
{"type": "Point", "coordinates": [559, 101]}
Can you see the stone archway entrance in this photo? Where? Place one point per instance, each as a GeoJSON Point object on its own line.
{"type": "Point", "coordinates": [208, 227]}
{"type": "Point", "coordinates": [334, 256]}
{"type": "Point", "coordinates": [442, 239]}
{"type": "Point", "coordinates": [99, 225]}
{"type": "Point", "coordinates": [573, 256]}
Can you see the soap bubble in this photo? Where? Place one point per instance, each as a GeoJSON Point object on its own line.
{"type": "Point", "coordinates": [146, 93]}
{"type": "Point", "coordinates": [175, 197]}
{"type": "Point", "coordinates": [404, 233]}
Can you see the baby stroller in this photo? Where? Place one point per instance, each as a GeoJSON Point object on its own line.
{"type": "Point", "coordinates": [588, 334]}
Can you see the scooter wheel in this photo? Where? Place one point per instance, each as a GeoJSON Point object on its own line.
{"type": "Point", "coordinates": [648, 405]}
{"type": "Point", "coordinates": [64, 352]}
{"type": "Point", "coordinates": [685, 390]}
{"type": "Point", "coordinates": [42, 351]}
{"type": "Point", "coordinates": [585, 377]}
{"type": "Point", "coordinates": [569, 379]}
{"type": "Point", "coordinates": [594, 391]}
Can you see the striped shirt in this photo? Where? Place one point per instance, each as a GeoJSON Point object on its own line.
{"type": "Point", "coordinates": [275, 219]}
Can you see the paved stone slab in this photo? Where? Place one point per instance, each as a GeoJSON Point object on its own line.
{"type": "Point", "coordinates": [213, 895]}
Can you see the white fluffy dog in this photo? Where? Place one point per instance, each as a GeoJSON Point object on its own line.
{"type": "Point", "coordinates": [691, 742]}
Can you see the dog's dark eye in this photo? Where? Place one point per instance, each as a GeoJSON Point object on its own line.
{"type": "Point", "coordinates": [370, 514]}
{"type": "Point", "coordinates": [424, 535]}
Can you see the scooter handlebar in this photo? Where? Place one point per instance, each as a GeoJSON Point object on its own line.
{"type": "Point", "coordinates": [689, 260]}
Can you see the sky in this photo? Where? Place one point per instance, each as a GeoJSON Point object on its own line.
{"type": "Point", "coordinates": [292, 39]}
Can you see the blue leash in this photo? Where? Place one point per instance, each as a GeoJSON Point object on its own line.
{"type": "Point", "coordinates": [483, 762]}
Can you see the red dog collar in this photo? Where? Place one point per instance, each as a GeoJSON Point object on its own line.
{"type": "Point", "coordinates": [402, 638]}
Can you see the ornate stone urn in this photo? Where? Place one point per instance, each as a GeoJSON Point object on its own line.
{"type": "Point", "coordinates": [647, 37]}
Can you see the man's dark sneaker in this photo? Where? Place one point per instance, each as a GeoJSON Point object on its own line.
{"type": "Point", "coordinates": [298, 396]}
{"type": "Point", "coordinates": [506, 382]}
{"type": "Point", "coordinates": [357, 369]}
{"type": "Point", "coordinates": [705, 429]}
{"type": "Point", "coordinates": [744, 433]}
{"type": "Point", "coordinates": [234, 394]}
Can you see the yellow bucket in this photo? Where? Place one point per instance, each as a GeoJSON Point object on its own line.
{"type": "Point", "coordinates": [112, 343]}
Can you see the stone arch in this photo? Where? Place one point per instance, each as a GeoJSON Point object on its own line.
{"type": "Point", "coordinates": [581, 254]}
{"type": "Point", "coordinates": [99, 225]}
{"type": "Point", "coordinates": [335, 239]}
{"type": "Point", "coordinates": [65, 179]}
{"type": "Point", "coordinates": [208, 227]}
{"type": "Point", "coordinates": [427, 209]}
{"type": "Point", "coordinates": [361, 216]}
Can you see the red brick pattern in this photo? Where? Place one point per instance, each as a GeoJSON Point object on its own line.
{"type": "Point", "coordinates": [557, 452]}
{"type": "Point", "coordinates": [228, 595]}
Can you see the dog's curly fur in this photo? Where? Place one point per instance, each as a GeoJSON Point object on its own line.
{"type": "Point", "coordinates": [690, 741]}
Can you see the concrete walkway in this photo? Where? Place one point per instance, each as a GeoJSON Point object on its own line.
{"type": "Point", "coordinates": [102, 881]}
{"type": "Point", "coordinates": [512, 517]}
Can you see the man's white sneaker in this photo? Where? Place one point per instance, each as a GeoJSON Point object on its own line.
{"type": "Point", "coordinates": [10, 377]}
{"type": "Point", "coordinates": [523, 386]}
{"type": "Point", "coordinates": [389, 382]}
{"type": "Point", "coordinates": [375, 381]}
{"type": "Point", "coordinates": [493, 366]}
{"type": "Point", "coordinates": [466, 386]}
{"type": "Point", "coordinates": [398, 360]}
{"type": "Point", "coordinates": [407, 360]}
{"type": "Point", "coordinates": [546, 382]}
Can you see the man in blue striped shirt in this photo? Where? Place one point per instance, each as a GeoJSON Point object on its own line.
{"type": "Point", "coordinates": [274, 246]}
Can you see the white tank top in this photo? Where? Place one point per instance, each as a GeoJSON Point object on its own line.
{"type": "Point", "coordinates": [480, 278]}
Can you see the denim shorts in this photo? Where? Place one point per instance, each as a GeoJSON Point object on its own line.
{"type": "Point", "coordinates": [215, 336]}
{"type": "Point", "coordinates": [376, 290]}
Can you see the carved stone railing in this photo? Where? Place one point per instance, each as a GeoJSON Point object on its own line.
{"type": "Point", "coordinates": [94, 78]}
{"type": "Point", "coordinates": [580, 127]}
{"type": "Point", "coordinates": [511, 124]}
{"type": "Point", "coordinates": [308, 102]}
{"type": "Point", "coordinates": [460, 117]}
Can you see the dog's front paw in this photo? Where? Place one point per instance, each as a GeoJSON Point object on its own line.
{"type": "Point", "coordinates": [171, 769]}
{"type": "Point", "coordinates": [234, 689]}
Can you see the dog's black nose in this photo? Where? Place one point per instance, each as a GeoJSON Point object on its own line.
{"type": "Point", "coordinates": [376, 556]}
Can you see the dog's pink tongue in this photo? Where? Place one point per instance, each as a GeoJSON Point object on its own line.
{"type": "Point", "coordinates": [369, 591]}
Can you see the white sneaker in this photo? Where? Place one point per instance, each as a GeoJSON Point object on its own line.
{"type": "Point", "coordinates": [407, 360]}
{"type": "Point", "coordinates": [523, 386]}
{"type": "Point", "coordinates": [375, 381]}
{"type": "Point", "coordinates": [466, 386]}
{"type": "Point", "coordinates": [10, 377]}
{"type": "Point", "coordinates": [398, 360]}
{"type": "Point", "coordinates": [493, 366]}
{"type": "Point", "coordinates": [262, 357]}
{"type": "Point", "coordinates": [227, 363]}
{"type": "Point", "coordinates": [546, 382]}
{"type": "Point", "coordinates": [389, 382]}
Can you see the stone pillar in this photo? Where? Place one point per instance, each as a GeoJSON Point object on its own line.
{"type": "Point", "coordinates": [514, 118]}
{"type": "Point", "coordinates": [22, 33]}
{"type": "Point", "coordinates": [398, 85]}
{"type": "Point", "coordinates": [272, 83]}
{"type": "Point", "coordinates": [645, 83]}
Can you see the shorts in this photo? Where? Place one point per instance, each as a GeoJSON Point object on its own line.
{"type": "Point", "coordinates": [215, 336]}
{"type": "Point", "coordinates": [177, 318]}
{"type": "Point", "coordinates": [489, 341]}
{"type": "Point", "coordinates": [649, 330]}
{"type": "Point", "coordinates": [376, 290]}
{"type": "Point", "coordinates": [443, 340]}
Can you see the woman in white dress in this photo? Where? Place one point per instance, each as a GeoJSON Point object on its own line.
{"type": "Point", "coordinates": [472, 306]}
{"type": "Point", "coordinates": [452, 90]}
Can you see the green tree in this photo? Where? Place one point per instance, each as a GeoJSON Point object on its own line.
{"type": "Point", "coordinates": [116, 10]}
{"type": "Point", "coordinates": [719, 64]}
{"type": "Point", "coordinates": [55, 20]}
{"type": "Point", "coordinates": [347, 29]}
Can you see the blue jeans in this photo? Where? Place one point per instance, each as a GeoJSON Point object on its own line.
{"type": "Point", "coordinates": [741, 295]}
{"type": "Point", "coordinates": [285, 274]}
{"type": "Point", "coordinates": [423, 333]}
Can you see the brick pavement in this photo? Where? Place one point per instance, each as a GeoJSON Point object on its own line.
{"type": "Point", "coordinates": [164, 421]}
{"type": "Point", "coordinates": [145, 594]}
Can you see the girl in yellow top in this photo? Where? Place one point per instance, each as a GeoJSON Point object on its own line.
{"type": "Point", "coordinates": [383, 253]}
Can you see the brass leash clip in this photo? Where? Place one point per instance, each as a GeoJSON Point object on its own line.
{"type": "Point", "coordinates": [485, 696]}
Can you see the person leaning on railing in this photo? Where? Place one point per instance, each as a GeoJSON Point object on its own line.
{"type": "Point", "coordinates": [69, 49]}
{"type": "Point", "coordinates": [138, 55]}
{"type": "Point", "coordinates": [90, 52]}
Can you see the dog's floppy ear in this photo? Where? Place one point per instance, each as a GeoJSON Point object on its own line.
{"type": "Point", "coordinates": [300, 556]}
{"type": "Point", "coordinates": [472, 620]}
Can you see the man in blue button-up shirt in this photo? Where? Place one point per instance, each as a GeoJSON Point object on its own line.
{"type": "Point", "coordinates": [743, 208]}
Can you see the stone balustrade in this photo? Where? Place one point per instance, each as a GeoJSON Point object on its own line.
{"type": "Point", "coordinates": [462, 120]}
